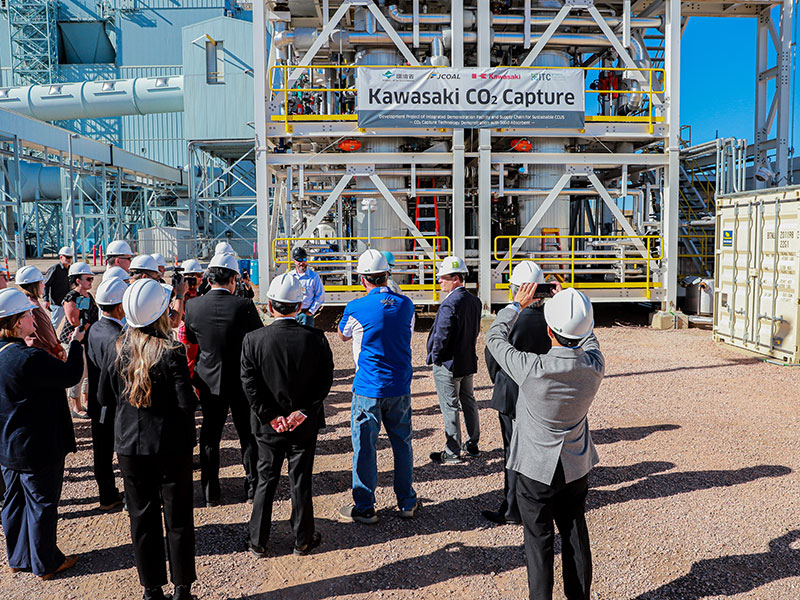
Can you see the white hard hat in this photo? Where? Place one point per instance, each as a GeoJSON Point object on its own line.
{"type": "Point", "coordinates": [526, 272]}
{"type": "Point", "coordinates": [111, 291]}
{"type": "Point", "coordinates": [225, 261]}
{"type": "Point", "coordinates": [160, 260]}
{"type": "Point", "coordinates": [223, 248]}
{"type": "Point", "coordinates": [28, 274]}
{"type": "Point", "coordinates": [451, 265]}
{"type": "Point", "coordinates": [116, 273]}
{"type": "Point", "coordinates": [569, 314]}
{"type": "Point", "coordinates": [65, 251]}
{"type": "Point", "coordinates": [119, 248]}
{"type": "Point", "coordinates": [144, 262]}
{"type": "Point", "coordinates": [144, 302]}
{"type": "Point", "coordinates": [80, 268]}
{"type": "Point", "coordinates": [13, 302]}
{"type": "Point", "coordinates": [372, 262]}
{"type": "Point", "coordinates": [286, 288]}
{"type": "Point", "coordinates": [191, 266]}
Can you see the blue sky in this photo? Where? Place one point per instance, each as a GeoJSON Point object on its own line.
{"type": "Point", "coordinates": [718, 63]}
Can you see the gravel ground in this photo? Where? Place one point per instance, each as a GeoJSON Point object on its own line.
{"type": "Point", "coordinates": [696, 495]}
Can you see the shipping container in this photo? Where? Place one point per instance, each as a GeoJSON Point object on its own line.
{"type": "Point", "coordinates": [757, 279]}
{"type": "Point", "coordinates": [173, 243]}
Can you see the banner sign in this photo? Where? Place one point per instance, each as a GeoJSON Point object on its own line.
{"type": "Point", "coordinates": [470, 98]}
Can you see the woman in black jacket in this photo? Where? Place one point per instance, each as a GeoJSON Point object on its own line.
{"type": "Point", "coordinates": [154, 433]}
{"type": "Point", "coordinates": [32, 448]}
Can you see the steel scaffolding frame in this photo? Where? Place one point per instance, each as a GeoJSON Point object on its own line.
{"type": "Point", "coordinates": [34, 46]}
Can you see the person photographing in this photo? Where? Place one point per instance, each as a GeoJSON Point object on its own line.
{"type": "Point", "coordinates": [551, 447]}
{"type": "Point", "coordinates": [33, 448]}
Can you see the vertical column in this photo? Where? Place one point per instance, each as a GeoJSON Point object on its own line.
{"type": "Point", "coordinates": [262, 176]}
{"type": "Point", "coordinates": [459, 210]}
{"type": "Point", "coordinates": [783, 90]}
{"type": "Point", "coordinates": [761, 133]}
{"type": "Point", "coordinates": [19, 237]}
{"type": "Point", "coordinates": [669, 215]}
{"type": "Point", "coordinates": [484, 172]}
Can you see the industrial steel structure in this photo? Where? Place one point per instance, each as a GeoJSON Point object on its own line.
{"type": "Point", "coordinates": [261, 121]}
{"type": "Point", "coordinates": [605, 208]}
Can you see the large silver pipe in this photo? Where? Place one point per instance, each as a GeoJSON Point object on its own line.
{"type": "Point", "coordinates": [96, 99]}
{"type": "Point", "coordinates": [43, 182]}
{"type": "Point", "coordinates": [536, 21]}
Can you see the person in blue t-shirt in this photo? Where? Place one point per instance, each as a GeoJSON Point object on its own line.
{"type": "Point", "coordinates": [380, 325]}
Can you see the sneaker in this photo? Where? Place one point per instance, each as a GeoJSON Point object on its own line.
{"type": "Point", "coordinates": [471, 449]}
{"type": "Point", "coordinates": [443, 458]}
{"type": "Point", "coordinates": [350, 513]}
{"type": "Point", "coordinates": [316, 539]}
{"type": "Point", "coordinates": [410, 512]}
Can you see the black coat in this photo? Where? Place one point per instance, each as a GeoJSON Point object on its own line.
{"type": "Point", "coordinates": [35, 424]}
{"type": "Point", "coordinates": [217, 322]}
{"type": "Point", "coordinates": [56, 284]}
{"type": "Point", "coordinates": [100, 341]}
{"type": "Point", "coordinates": [451, 341]}
{"type": "Point", "coordinates": [165, 427]}
{"type": "Point", "coordinates": [529, 334]}
{"type": "Point", "coordinates": [287, 367]}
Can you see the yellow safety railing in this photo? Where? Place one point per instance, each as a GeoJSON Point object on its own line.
{"type": "Point", "coordinates": [576, 257]}
{"type": "Point", "coordinates": [706, 250]}
{"type": "Point", "coordinates": [286, 118]}
{"type": "Point", "coordinates": [422, 262]}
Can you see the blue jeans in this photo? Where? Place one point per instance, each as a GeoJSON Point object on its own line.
{"type": "Point", "coordinates": [366, 415]}
{"type": "Point", "coordinates": [305, 319]}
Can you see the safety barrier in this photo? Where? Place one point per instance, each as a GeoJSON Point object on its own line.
{"type": "Point", "coordinates": [331, 261]}
{"type": "Point", "coordinates": [650, 118]}
{"type": "Point", "coordinates": [620, 255]}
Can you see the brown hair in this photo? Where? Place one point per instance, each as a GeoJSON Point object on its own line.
{"type": "Point", "coordinates": [8, 325]}
{"type": "Point", "coordinates": [31, 290]}
{"type": "Point", "coordinates": [138, 351]}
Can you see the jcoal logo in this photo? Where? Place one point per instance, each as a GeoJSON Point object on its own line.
{"type": "Point", "coordinates": [435, 75]}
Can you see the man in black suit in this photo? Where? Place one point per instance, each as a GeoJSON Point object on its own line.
{"type": "Point", "coordinates": [217, 322]}
{"type": "Point", "coordinates": [100, 348]}
{"type": "Point", "coordinates": [529, 334]}
{"type": "Point", "coordinates": [287, 371]}
{"type": "Point", "coordinates": [451, 351]}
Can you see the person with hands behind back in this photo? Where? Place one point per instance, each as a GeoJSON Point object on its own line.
{"type": "Point", "coordinates": [287, 371]}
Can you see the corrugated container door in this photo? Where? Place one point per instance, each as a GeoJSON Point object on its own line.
{"type": "Point", "coordinates": [758, 250]}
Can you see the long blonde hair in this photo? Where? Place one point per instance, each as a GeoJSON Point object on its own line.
{"type": "Point", "coordinates": [138, 351]}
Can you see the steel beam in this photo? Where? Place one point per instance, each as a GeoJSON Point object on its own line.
{"type": "Point", "coordinates": [669, 213]}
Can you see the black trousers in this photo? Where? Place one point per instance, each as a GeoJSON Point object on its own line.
{"type": "Point", "coordinates": [215, 413]}
{"type": "Point", "coordinates": [508, 507]}
{"type": "Point", "coordinates": [103, 455]}
{"type": "Point", "coordinates": [30, 517]}
{"type": "Point", "coordinates": [272, 451]}
{"type": "Point", "coordinates": [150, 483]}
{"type": "Point", "coordinates": [564, 503]}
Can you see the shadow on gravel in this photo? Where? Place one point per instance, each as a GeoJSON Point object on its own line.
{"type": "Point", "coordinates": [602, 476]}
{"type": "Point", "coordinates": [730, 363]}
{"type": "Point", "coordinates": [450, 562]}
{"type": "Point", "coordinates": [670, 484]}
{"type": "Point", "coordinates": [103, 560]}
{"type": "Point", "coordinates": [628, 434]}
{"type": "Point", "coordinates": [732, 575]}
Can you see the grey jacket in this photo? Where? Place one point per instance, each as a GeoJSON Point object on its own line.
{"type": "Point", "coordinates": [555, 392]}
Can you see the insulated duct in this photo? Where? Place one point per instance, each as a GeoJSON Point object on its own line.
{"type": "Point", "coordinates": [96, 99]}
{"type": "Point", "coordinates": [41, 182]}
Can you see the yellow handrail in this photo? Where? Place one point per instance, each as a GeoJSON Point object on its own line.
{"type": "Point", "coordinates": [649, 118]}
{"type": "Point", "coordinates": [344, 257]}
{"type": "Point", "coordinates": [564, 256]}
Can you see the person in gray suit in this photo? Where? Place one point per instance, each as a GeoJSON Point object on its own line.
{"type": "Point", "coordinates": [551, 448]}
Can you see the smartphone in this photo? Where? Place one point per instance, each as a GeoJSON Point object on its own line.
{"type": "Point", "coordinates": [544, 290]}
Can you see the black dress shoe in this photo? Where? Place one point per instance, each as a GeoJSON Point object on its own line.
{"type": "Point", "coordinates": [316, 539]}
{"type": "Point", "coordinates": [182, 592]}
{"type": "Point", "coordinates": [499, 518]}
{"type": "Point", "coordinates": [155, 594]}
